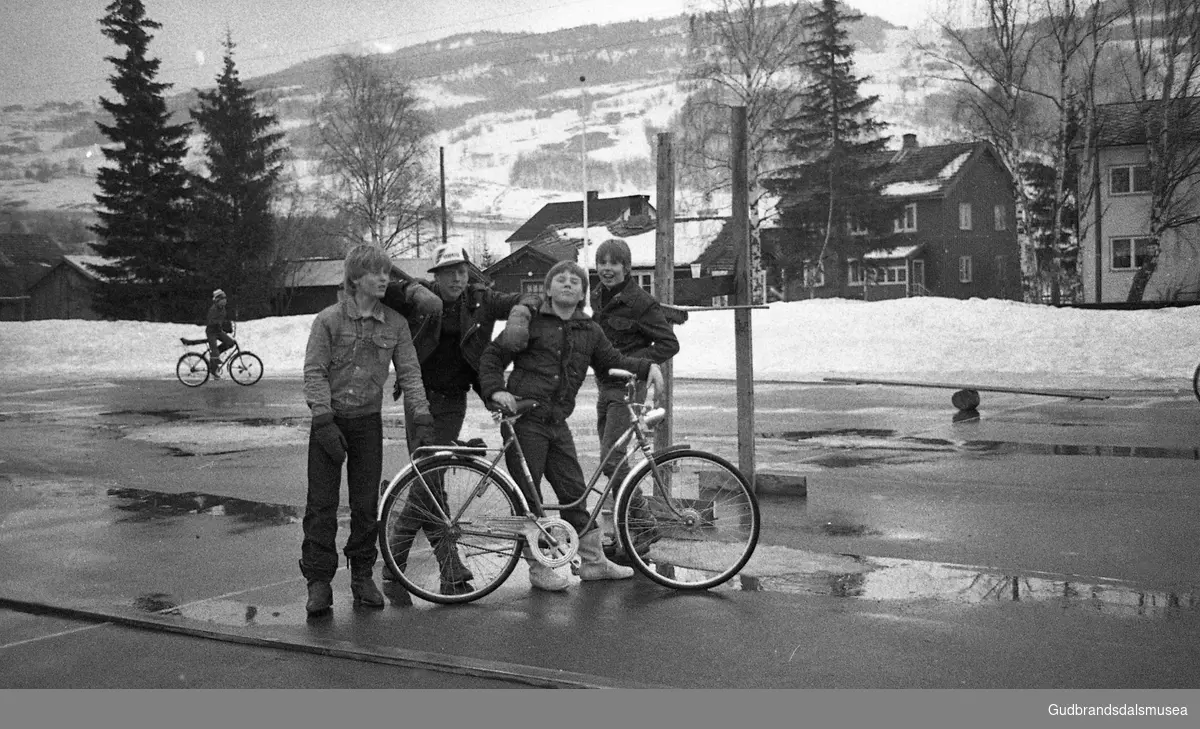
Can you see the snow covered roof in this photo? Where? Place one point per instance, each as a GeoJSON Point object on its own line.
{"type": "Point", "coordinates": [691, 238]}
{"type": "Point", "coordinates": [892, 253]}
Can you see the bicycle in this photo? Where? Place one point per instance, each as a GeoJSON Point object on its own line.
{"type": "Point", "coordinates": [244, 368]}
{"type": "Point", "coordinates": [699, 507]}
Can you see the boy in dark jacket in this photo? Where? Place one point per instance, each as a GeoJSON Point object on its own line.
{"type": "Point", "coordinates": [215, 328]}
{"type": "Point", "coordinates": [635, 324]}
{"type": "Point", "coordinates": [451, 321]}
{"type": "Point", "coordinates": [563, 342]}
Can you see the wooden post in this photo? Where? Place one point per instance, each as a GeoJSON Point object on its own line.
{"type": "Point", "coordinates": [742, 330]}
{"type": "Point", "coordinates": [664, 270]}
{"type": "Point", "coordinates": [442, 172]}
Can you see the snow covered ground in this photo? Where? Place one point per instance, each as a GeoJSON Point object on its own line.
{"type": "Point", "coordinates": [981, 342]}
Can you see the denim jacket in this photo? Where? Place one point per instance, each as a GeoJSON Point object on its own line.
{"type": "Point", "coordinates": [348, 356]}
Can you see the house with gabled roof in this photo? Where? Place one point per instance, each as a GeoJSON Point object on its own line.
{"type": "Point", "coordinates": [1115, 239]}
{"type": "Point", "coordinates": [954, 233]}
{"type": "Point", "coordinates": [67, 290]}
{"type": "Point", "coordinates": [524, 270]}
{"type": "Point", "coordinates": [308, 285]}
{"type": "Point", "coordinates": [634, 211]}
{"type": "Point", "coordinates": [24, 258]}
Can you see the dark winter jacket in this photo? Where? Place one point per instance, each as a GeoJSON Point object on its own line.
{"type": "Point", "coordinates": [554, 364]}
{"type": "Point", "coordinates": [482, 308]}
{"type": "Point", "coordinates": [635, 324]}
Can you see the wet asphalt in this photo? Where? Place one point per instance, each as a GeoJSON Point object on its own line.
{"type": "Point", "coordinates": [151, 532]}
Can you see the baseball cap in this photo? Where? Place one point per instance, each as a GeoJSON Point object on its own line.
{"type": "Point", "coordinates": [449, 254]}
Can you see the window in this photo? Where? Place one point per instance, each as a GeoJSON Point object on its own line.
{"type": "Point", "coordinates": [964, 269]}
{"type": "Point", "coordinates": [1001, 214]}
{"type": "Point", "coordinates": [645, 280]}
{"type": "Point", "coordinates": [531, 287]}
{"type": "Point", "coordinates": [854, 273]}
{"type": "Point", "coordinates": [893, 273]}
{"type": "Point", "coordinates": [1129, 179]}
{"type": "Point", "coordinates": [1131, 253]}
{"type": "Point", "coordinates": [964, 216]}
{"type": "Point", "coordinates": [856, 226]}
{"type": "Point", "coordinates": [907, 222]}
{"type": "Point", "coordinates": [814, 275]}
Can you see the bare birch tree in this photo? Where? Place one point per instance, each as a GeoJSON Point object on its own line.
{"type": "Point", "coordinates": [374, 146]}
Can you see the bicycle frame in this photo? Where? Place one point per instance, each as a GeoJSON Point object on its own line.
{"type": "Point", "coordinates": [636, 430]}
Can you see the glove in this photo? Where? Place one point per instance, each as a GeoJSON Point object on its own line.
{"type": "Point", "coordinates": [331, 439]}
{"type": "Point", "coordinates": [515, 336]}
{"type": "Point", "coordinates": [397, 391]}
{"type": "Point", "coordinates": [422, 431]}
{"type": "Point", "coordinates": [424, 301]}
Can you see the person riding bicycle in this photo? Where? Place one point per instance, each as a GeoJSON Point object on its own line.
{"type": "Point", "coordinates": [562, 343]}
{"type": "Point", "coordinates": [216, 328]}
{"type": "Point", "coordinates": [634, 322]}
{"type": "Point", "coordinates": [449, 335]}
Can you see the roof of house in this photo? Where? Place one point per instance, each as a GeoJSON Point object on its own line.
{"type": "Point", "coordinates": [599, 210]}
{"type": "Point", "coordinates": [317, 272]}
{"type": "Point", "coordinates": [924, 171]}
{"type": "Point", "coordinates": [564, 243]}
{"type": "Point", "coordinates": [25, 258]}
{"type": "Point", "coordinates": [1124, 124]}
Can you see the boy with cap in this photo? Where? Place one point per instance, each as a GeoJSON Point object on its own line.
{"type": "Point", "coordinates": [562, 343]}
{"type": "Point", "coordinates": [350, 348]}
{"type": "Point", "coordinates": [215, 328]}
{"type": "Point", "coordinates": [451, 321]}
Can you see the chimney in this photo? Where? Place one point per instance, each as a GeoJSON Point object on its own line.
{"type": "Point", "coordinates": [910, 141]}
{"type": "Point", "coordinates": [593, 195]}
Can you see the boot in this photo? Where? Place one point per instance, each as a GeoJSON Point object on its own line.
{"type": "Point", "coordinates": [214, 368]}
{"type": "Point", "coordinates": [362, 586]}
{"type": "Point", "coordinates": [544, 578]}
{"type": "Point", "coordinates": [594, 565]}
{"type": "Point", "coordinates": [320, 597]}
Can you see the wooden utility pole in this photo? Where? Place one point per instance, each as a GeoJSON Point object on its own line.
{"type": "Point", "coordinates": [442, 169]}
{"type": "Point", "coordinates": [742, 331]}
{"type": "Point", "coordinates": [664, 270]}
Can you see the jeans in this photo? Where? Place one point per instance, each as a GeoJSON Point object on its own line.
{"type": "Point", "coordinates": [550, 450]}
{"type": "Point", "coordinates": [612, 418]}
{"type": "Point", "coordinates": [364, 466]}
{"type": "Point", "coordinates": [218, 342]}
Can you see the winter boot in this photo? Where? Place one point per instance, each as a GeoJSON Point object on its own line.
{"type": "Point", "coordinates": [214, 367]}
{"type": "Point", "coordinates": [594, 565]}
{"type": "Point", "coordinates": [544, 578]}
{"type": "Point", "coordinates": [362, 586]}
{"type": "Point", "coordinates": [320, 597]}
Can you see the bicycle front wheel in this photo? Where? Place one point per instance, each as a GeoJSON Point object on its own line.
{"type": "Point", "coordinates": [697, 513]}
{"type": "Point", "coordinates": [192, 369]}
{"type": "Point", "coordinates": [245, 368]}
{"type": "Point", "coordinates": [451, 534]}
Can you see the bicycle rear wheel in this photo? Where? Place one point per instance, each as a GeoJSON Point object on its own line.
{"type": "Point", "coordinates": [245, 368]}
{"type": "Point", "coordinates": [699, 514]}
{"type": "Point", "coordinates": [192, 369]}
{"type": "Point", "coordinates": [461, 556]}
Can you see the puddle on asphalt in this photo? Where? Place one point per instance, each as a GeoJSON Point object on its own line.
{"type": "Point", "coordinates": [907, 580]}
{"type": "Point", "coordinates": [850, 439]}
{"type": "Point", "coordinates": [142, 505]}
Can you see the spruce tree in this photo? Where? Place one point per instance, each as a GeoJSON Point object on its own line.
{"type": "Point", "coordinates": [834, 150]}
{"type": "Point", "coordinates": [143, 192]}
{"type": "Point", "coordinates": [233, 229]}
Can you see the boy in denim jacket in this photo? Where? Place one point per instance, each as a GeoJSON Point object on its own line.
{"type": "Point", "coordinates": [351, 347]}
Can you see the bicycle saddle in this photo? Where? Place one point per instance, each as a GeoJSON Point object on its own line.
{"type": "Point", "coordinates": [190, 342]}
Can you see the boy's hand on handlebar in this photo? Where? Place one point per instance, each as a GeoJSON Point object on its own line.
{"type": "Point", "coordinates": [505, 401]}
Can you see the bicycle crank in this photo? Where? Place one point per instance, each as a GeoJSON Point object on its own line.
{"type": "Point", "coordinates": [553, 541]}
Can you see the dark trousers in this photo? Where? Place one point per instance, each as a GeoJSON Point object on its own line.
{"type": "Point", "coordinates": [449, 409]}
{"type": "Point", "coordinates": [364, 465]}
{"type": "Point", "coordinates": [612, 418]}
{"type": "Point", "coordinates": [218, 341]}
{"type": "Point", "coordinates": [550, 450]}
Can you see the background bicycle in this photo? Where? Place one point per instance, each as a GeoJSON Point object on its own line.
{"type": "Point", "coordinates": [244, 368]}
{"type": "Point", "coordinates": [454, 499]}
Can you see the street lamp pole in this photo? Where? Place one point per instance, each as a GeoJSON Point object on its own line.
{"type": "Point", "coordinates": [581, 257]}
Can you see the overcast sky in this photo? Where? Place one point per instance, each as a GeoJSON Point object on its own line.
{"type": "Point", "coordinates": [53, 49]}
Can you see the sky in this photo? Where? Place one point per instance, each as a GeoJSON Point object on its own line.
{"type": "Point", "coordinates": [978, 342]}
{"type": "Point", "coordinates": [53, 49]}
